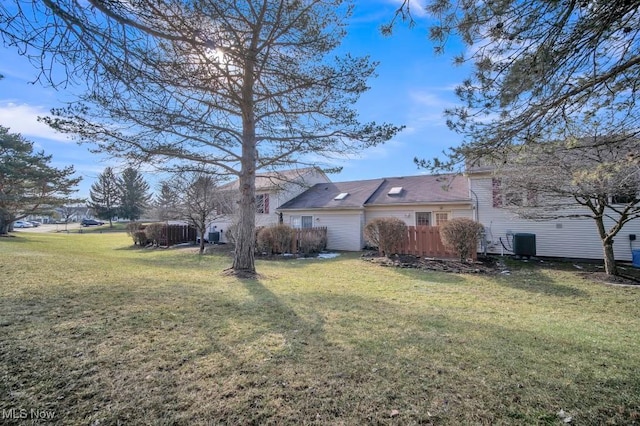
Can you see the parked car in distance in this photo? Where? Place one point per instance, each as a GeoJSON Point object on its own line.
{"type": "Point", "coordinates": [35, 223]}
{"type": "Point", "coordinates": [91, 222]}
{"type": "Point", "coordinates": [22, 224]}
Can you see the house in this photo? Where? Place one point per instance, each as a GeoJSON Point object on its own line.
{"type": "Point", "coordinates": [564, 237]}
{"type": "Point", "coordinates": [344, 208]}
{"type": "Point", "coordinates": [272, 190]}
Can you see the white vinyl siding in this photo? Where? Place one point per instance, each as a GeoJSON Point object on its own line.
{"type": "Point", "coordinates": [408, 214]}
{"type": "Point", "coordinates": [572, 238]}
{"type": "Point", "coordinates": [344, 228]}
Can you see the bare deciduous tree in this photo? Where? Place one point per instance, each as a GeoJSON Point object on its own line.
{"type": "Point", "coordinates": [595, 177]}
{"type": "Point", "coordinates": [200, 200]}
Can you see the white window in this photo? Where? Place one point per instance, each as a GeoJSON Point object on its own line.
{"type": "Point", "coordinates": [301, 222]}
{"type": "Point", "coordinates": [307, 222]}
{"type": "Point", "coordinates": [441, 217]}
{"type": "Point", "coordinates": [262, 203]}
{"type": "Point", "coordinates": [423, 218]}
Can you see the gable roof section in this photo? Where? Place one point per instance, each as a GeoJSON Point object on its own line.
{"type": "Point", "coordinates": [423, 189]}
{"type": "Point", "coordinates": [322, 195]}
{"type": "Point", "coordinates": [274, 180]}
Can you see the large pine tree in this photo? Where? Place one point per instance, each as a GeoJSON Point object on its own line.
{"type": "Point", "coordinates": [28, 184]}
{"type": "Point", "coordinates": [105, 196]}
{"type": "Point", "coordinates": [134, 194]}
{"type": "Point", "coordinates": [239, 85]}
{"type": "Point", "coordinates": [167, 202]}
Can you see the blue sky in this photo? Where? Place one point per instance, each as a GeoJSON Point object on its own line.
{"type": "Point", "coordinates": [412, 88]}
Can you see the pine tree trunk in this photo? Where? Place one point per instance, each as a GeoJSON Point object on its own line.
{"type": "Point", "coordinates": [244, 256]}
{"type": "Point", "coordinates": [244, 259]}
{"type": "Point", "coordinates": [609, 258]}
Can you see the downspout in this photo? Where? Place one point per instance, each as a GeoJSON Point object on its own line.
{"type": "Point", "coordinates": [477, 218]}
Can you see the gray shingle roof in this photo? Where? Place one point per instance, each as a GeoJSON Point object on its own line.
{"type": "Point", "coordinates": [275, 179]}
{"type": "Point", "coordinates": [322, 195]}
{"type": "Point", "coordinates": [424, 189]}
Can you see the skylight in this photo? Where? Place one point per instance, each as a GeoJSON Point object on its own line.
{"type": "Point", "coordinates": [341, 196]}
{"type": "Point", "coordinates": [395, 190]}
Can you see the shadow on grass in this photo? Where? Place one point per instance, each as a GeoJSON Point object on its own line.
{"type": "Point", "coordinates": [535, 281]}
{"type": "Point", "coordinates": [165, 354]}
{"type": "Point", "coordinates": [12, 238]}
{"type": "Point", "coordinates": [435, 277]}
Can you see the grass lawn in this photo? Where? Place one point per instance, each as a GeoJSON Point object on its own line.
{"type": "Point", "coordinates": [98, 332]}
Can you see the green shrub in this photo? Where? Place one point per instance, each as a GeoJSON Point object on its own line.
{"type": "Point", "coordinates": [461, 236]}
{"type": "Point", "coordinates": [386, 233]}
{"type": "Point", "coordinates": [275, 239]}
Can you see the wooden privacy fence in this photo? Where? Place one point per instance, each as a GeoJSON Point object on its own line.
{"type": "Point", "coordinates": [177, 234]}
{"type": "Point", "coordinates": [307, 233]}
{"type": "Point", "coordinates": [425, 241]}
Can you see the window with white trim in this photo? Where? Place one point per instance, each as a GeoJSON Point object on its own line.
{"type": "Point", "coordinates": [423, 218]}
{"type": "Point", "coordinates": [303, 222]}
{"type": "Point", "coordinates": [441, 217]}
{"type": "Point", "coordinates": [262, 203]}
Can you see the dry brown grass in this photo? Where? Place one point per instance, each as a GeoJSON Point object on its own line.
{"type": "Point", "coordinates": [100, 333]}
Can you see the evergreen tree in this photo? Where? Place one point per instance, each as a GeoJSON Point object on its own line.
{"type": "Point", "coordinates": [28, 184]}
{"type": "Point", "coordinates": [538, 67]}
{"type": "Point", "coordinates": [134, 194]}
{"type": "Point", "coordinates": [105, 196]}
{"type": "Point", "coordinates": [167, 202]}
{"type": "Point", "coordinates": [239, 85]}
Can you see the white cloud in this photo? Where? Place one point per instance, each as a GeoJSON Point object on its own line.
{"type": "Point", "coordinates": [427, 108]}
{"type": "Point", "coordinates": [416, 7]}
{"type": "Point", "coordinates": [23, 119]}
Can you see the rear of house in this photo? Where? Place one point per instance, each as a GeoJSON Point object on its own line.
{"type": "Point", "coordinates": [346, 207]}
{"type": "Point", "coordinates": [272, 190]}
{"type": "Point", "coordinates": [337, 206]}
{"type": "Point", "coordinates": [565, 237]}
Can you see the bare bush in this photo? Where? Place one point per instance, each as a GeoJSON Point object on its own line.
{"type": "Point", "coordinates": [461, 235]}
{"type": "Point", "coordinates": [140, 238]}
{"type": "Point", "coordinates": [132, 229]}
{"type": "Point", "coordinates": [275, 239]}
{"type": "Point", "coordinates": [386, 233]}
{"type": "Point", "coordinates": [154, 232]}
{"type": "Point", "coordinates": [312, 243]}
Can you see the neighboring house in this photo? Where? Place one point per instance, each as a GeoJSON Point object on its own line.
{"type": "Point", "coordinates": [68, 213]}
{"type": "Point", "coordinates": [272, 190]}
{"type": "Point", "coordinates": [569, 238]}
{"type": "Point", "coordinates": [344, 208]}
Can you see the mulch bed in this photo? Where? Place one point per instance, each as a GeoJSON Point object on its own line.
{"type": "Point", "coordinates": [493, 265]}
{"type": "Point", "coordinates": [485, 265]}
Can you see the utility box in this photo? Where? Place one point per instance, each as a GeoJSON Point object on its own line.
{"type": "Point", "coordinates": [214, 237]}
{"type": "Point", "coordinates": [524, 244]}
